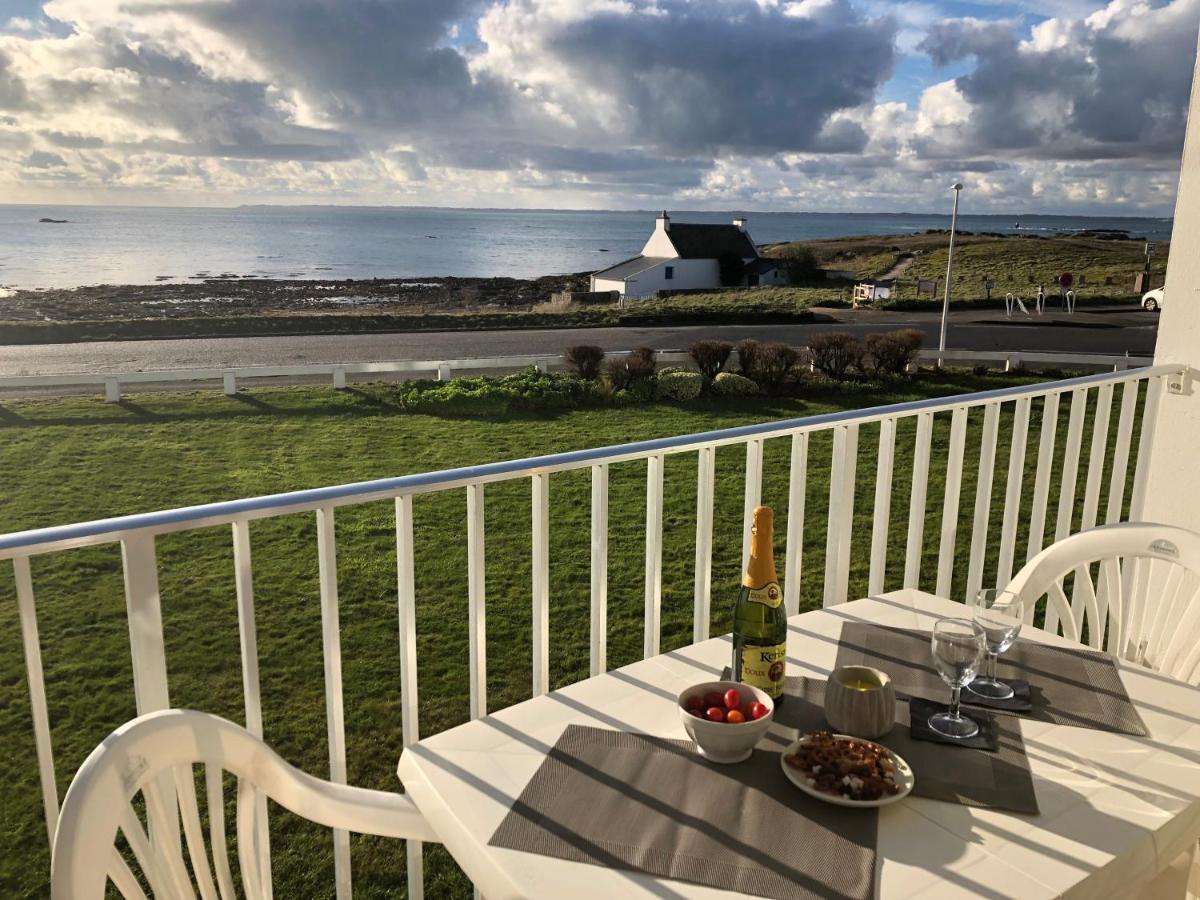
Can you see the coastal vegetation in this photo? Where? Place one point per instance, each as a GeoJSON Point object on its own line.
{"type": "Point", "coordinates": [1103, 270]}
{"type": "Point", "coordinates": [82, 459]}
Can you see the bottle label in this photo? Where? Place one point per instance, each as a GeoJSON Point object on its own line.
{"type": "Point", "coordinates": [768, 595]}
{"type": "Point", "coordinates": [764, 667]}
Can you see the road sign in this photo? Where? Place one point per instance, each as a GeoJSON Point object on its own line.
{"type": "Point", "coordinates": [1151, 248]}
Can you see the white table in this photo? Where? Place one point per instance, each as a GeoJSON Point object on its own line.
{"type": "Point", "coordinates": [1115, 810]}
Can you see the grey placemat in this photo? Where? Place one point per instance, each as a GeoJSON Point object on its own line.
{"type": "Point", "coordinates": [996, 780]}
{"type": "Point", "coordinates": [631, 801]}
{"type": "Point", "coordinates": [1069, 686]}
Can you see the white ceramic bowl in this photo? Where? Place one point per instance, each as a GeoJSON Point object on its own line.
{"type": "Point", "coordinates": [725, 742]}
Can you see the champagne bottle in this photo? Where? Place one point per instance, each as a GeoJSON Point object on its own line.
{"type": "Point", "coordinates": [759, 620]}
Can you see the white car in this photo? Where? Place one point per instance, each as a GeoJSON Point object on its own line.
{"type": "Point", "coordinates": [1153, 300]}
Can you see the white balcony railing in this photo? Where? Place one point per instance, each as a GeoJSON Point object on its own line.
{"type": "Point", "coordinates": [1116, 410]}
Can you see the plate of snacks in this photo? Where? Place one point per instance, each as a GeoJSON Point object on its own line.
{"type": "Point", "coordinates": [846, 771]}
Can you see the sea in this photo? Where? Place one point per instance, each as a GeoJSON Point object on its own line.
{"type": "Point", "coordinates": [91, 245]}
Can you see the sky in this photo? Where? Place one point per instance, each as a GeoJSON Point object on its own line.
{"type": "Point", "coordinates": [1061, 106]}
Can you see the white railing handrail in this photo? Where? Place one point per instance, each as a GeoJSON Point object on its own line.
{"type": "Point", "coordinates": [99, 531]}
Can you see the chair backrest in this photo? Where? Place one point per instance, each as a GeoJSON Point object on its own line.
{"type": "Point", "coordinates": [1134, 591]}
{"type": "Point", "coordinates": [154, 756]}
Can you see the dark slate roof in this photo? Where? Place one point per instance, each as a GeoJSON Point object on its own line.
{"type": "Point", "coordinates": [762, 265]}
{"type": "Point", "coordinates": [710, 241]}
{"type": "Point", "coordinates": [631, 267]}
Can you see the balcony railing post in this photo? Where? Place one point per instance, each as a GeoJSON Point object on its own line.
{"type": "Point", "coordinates": [841, 513]}
{"type": "Point", "coordinates": [753, 496]}
{"type": "Point", "coordinates": [599, 571]}
{"type": "Point", "coordinates": [149, 657]}
{"type": "Point", "coordinates": [705, 481]}
{"type": "Point", "coordinates": [916, 505]}
{"type": "Point", "coordinates": [951, 500]}
{"type": "Point", "coordinates": [797, 491]}
{"type": "Point", "coordinates": [983, 498]}
{"type": "Point", "coordinates": [541, 583]}
{"type": "Point", "coordinates": [1041, 479]}
{"type": "Point", "coordinates": [248, 638]}
{"type": "Point", "coordinates": [654, 518]}
{"type": "Point", "coordinates": [1012, 496]}
{"type": "Point", "coordinates": [406, 609]}
{"type": "Point", "coordinates": [881, 525]}
{"type": "Point", "coordinates": [37, 692]}
{"type": "Point", "coordinates": [476, 591]}
{"type": "Point", "coordinates": [331, 646]}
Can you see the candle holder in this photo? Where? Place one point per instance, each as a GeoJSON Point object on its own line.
{"type": "Point", "coordinates": [861, 702]}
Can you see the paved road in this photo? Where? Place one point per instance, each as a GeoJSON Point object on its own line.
{"type": "Point", "coordinates": [1112, 330]}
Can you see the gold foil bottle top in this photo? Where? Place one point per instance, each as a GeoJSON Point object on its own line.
{"type": "Point", "coordinates": [760, 570]}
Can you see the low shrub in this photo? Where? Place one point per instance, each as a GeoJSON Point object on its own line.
{"type": "Point", "coordinates": [681, 386]}
{"type": "Point", "coordinates": [772, 366]}
{"type": "Point", "coordinates": [746, 350]}
{"type": "Point", "coordinates": [834, 353]}
{"type": "Point", "coordinates": [891, 353]}
{"type": "Point", "coordinates": [730, 384]}
{"type": "Point", "coordinates": [584, 360]}
{"type": "Point", "coordinates": [710, 356]}
{"type": "Point", "coordinates": [671, 370]}
{"type": "Point", "coordinates": [485, 396]}
{"type": "Point", "coordinates": [623, 372]}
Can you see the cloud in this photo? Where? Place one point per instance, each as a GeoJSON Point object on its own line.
{"type": "Point", "coordinates": [618, 103]}
{"type": "Point", "coordinates": [685, 78]}
{"type": "Point", "coordinates": [40, 159]}
{"type": "Point", "coordinates": [1113, 85]}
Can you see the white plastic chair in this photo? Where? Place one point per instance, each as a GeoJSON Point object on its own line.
{"type": "Point", "coordinates": [1135, 592]}
{"type": "Point", "coordinates": [154, 755]}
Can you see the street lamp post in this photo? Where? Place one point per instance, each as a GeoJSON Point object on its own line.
{"type": "Point", "coordinates": [949, 270]}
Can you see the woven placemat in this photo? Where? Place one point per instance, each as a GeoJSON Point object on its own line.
{"type": "Point", "coordinates": [630, 801]}
{"type": "Point", "coordinates": [1069, 686]}
{"type": "Point", "coordinates": [954, 774]}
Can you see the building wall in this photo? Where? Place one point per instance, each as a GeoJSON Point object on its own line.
{"type": "Point", "coordinates": [658, 244]}
{"type": "Point", "coordinates": [607, 284]}
{"type": "Point", "coordinates": [689, 273]}
{"type": "Point", "coordinates": [1173, 485]}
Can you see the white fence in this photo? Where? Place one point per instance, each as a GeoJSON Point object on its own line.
{"type": "Point", "coordinates": [444, 369]}
{"type": "Point", "coordinates": [1108, 480]}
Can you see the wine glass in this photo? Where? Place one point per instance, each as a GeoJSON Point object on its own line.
{"type": "Point", "coordinates": [999, 614]}
{"type": "Point", "coordinates": [958, 648]}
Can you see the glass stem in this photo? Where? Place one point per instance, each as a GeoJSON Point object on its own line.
{"type": "Point", "coordinates": [993, 658]}
{"type": "Point", "coordinates": [954, 693]}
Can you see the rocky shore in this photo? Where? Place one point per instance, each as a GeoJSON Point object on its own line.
{"type": "Point", "coordinates": [236, 297]}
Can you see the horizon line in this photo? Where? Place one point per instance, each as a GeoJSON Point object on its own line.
{"type": "Point", "coordinates": [551, 209]}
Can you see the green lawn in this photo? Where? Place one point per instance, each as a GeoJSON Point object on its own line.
{"type": "Point", "coordinates": [69, 460]}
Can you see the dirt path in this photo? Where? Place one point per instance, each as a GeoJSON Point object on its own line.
{"type": "Point", "coordinates": [898, 269]}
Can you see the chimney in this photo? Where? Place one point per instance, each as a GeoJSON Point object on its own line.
{"type": "Point", "coordinates": [740, 223]}
{"type": "Point", "coordinates": [663, 222]}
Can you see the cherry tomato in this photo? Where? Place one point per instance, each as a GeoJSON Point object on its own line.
{"type": "Point", "coordinates": [735, 717]}
{"type": "Point", "coordinates": [713, 698]}
{"type": "Point", "coordinates": [697, 712]}
{"type": "Point", "coordinates": [758, 710]}
{"type": "Point", "coordinates": [694, 702]}
{"type": "Point", "coordinates": [732, 699]}
{"type": "Point", "coordinates": [715, 714]}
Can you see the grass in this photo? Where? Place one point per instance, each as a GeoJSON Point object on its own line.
{"type": "Point", "coordinates": [1012, 263]}
{"type": "Point", "coordinates": [67, 460]}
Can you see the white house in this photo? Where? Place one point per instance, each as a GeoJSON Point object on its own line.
{"type": "Point", "coordinates": [685, 255]}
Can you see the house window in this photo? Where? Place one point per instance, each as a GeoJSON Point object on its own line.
{"type": "Point", "coordinates": [669, 273]}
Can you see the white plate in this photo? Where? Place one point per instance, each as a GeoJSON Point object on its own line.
{"type": "Point", "coordinates": [904, 778]}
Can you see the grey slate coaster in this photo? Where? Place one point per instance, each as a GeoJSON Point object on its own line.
{"type": "Point", "coordinates": [953, 774]}
{"type": "Point", "coordinates": [1069, 686]}
{"type": "Point", "coordinates": [651, 805]}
